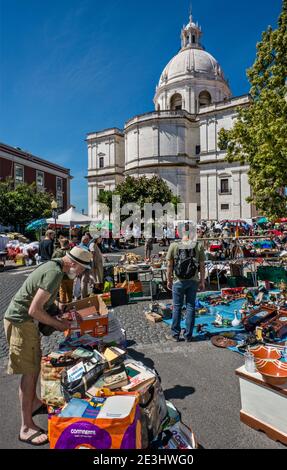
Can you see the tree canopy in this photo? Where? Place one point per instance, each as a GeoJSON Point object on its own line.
{"type": "Point", "coordinates": [21, 204]}
{"type": "Point", "coordinates": [259, 135]}
{"type": "Point", "coordinates": [140, 190]}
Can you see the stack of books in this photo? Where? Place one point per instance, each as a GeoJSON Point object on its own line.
{"type": "Point", "coordinates": [116, 377]}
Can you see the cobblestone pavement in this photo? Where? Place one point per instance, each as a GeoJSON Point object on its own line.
{"type": "Point", "coordinates": [197, 377]}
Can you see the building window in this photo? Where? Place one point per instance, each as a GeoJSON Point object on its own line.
{"type": "Point", "coordinates": [224, 207]}
{"type": "Point", "coordinates": [198, 187]}
{"type": "Point", "coordinates": [19, 174]}
{"type": "Point", "coordinates": [40, 180]}
{"type": "Point", "coordinates": [193, 39]}
{"type": "Point", "coordinates": [197, 150]}
{"type": "Point", "coordinates": [198, 208]}
{"type": "Point", "coordinates": [59, 192]}
{"type": "Point", "coordinates": [101, 162]}
{"type": "Point", "coordinates": [224, 185]}
{"type": "Point", "coordinates": [176, 102]}
{"type": "Point", "coordinates": [204, 98]}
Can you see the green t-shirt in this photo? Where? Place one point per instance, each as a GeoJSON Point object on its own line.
{"type": "Point", "coordinates": [47, 276]}
{"type": "Point", "coordinates": [173, 251]}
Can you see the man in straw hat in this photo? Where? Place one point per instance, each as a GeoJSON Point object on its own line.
{"type": "Point", "coordinates": [28, 307]}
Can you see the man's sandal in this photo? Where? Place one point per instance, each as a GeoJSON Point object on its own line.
{"type": "Point", "coordinates": [34, 436]}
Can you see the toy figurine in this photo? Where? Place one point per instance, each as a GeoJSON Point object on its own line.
{"type": "Point", "coordinates": [235, 322]}
{"type": "Point", "coordinates": [218, 319]}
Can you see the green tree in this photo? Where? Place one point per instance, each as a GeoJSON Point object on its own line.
{"type": "Point", "coordinates": [140, 190]}
{"type": "Point", "coordinates": [105, 197]}
{"type": "Point", "coordinates": [20, 205]}
{"type": "Point", "coordinates": [259, 135]}
{"type": "Point", "coordinates": [144, 190]}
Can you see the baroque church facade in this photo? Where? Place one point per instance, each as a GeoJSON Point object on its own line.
{"type": "Point", "coordinates": [178, 141]}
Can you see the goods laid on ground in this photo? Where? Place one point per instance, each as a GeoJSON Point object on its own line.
{"type": "Point", "coordinates": [22, 252]}
{"type": "Point", "coordinates": [252, 322]}
{"type": "Point", "coordinates": [98, 397]}
{"type": "Point", "coordinates": [131, 258]}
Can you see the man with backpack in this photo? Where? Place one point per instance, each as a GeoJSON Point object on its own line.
{"type": "Point", "coordinates": [185, 260]}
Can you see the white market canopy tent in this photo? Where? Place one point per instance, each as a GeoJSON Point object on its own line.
{"type": "Point", "coordinates": [70, 217]}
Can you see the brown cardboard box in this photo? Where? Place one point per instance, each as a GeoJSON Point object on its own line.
{"type": "Point", "coordinates": [95, 300]}
{"type": "Point", "coordinates": [92, 316]}
{"type": "Point", "coordinates": [154, 317]}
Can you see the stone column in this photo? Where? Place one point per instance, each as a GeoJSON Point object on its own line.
{"type": "Point", "coordinates": [204, 199]}
{"type": "Point", "coordinates": [236, 194]}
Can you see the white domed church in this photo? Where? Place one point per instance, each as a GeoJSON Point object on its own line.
{"type": "Point", "coordinates": [178, 141]}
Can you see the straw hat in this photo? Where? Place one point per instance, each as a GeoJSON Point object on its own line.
{"type": "Point", "coordinates": [80, 256]}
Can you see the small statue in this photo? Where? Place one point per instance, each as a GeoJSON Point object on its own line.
{"type": "Point", "coordinates": [218, 319]}
{"type": "Point", "coordinates": [235, 322]}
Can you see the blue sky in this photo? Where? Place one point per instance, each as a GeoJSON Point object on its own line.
{"type": "Point", "coordinates": [69, 67]}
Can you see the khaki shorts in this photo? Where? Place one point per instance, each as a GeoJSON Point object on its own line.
{"type": "Point", "coordinates": [24, 347]}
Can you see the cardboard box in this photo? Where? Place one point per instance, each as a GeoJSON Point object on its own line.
{"type": "Point", "coordinates": [95, 300]}
{"type": "Point", "coordinates": [154, 317]}
{"type": "Point", "coordinates": [91, 316]}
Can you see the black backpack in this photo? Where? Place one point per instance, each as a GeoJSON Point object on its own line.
{"type": "Point", "coordinates": [185, 264]}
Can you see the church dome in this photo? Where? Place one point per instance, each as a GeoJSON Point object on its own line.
{"type": "Point", "coordinates": [191, 61]}
{"type": "Point", "coordinates": [193, 78]}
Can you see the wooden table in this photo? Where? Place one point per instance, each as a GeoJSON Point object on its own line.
{"type": "Point", "coordinates": [263, 406]}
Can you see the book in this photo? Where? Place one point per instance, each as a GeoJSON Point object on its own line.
{"type": "Point", "coordinates": [94, 406]}
{"type": "Point", "coordinates": [74, 409]}
{"type": "Point", "coordinates": [76, 372]}
{"type": "Point", "coordinates": [114, 355]}
{"type": "Point", "coordinates": [117, 407]}
{"type": "Point", "coordinates": [116, 377]}
{"type": "Point", "coordinates": [138, 377]}
{"type": "Point", "coordinates": [82, 353]}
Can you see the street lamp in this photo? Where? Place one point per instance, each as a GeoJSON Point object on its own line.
{"type": "Point", "coordinates": [54, 207]}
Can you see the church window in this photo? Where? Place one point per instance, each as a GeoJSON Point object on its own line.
{"type": "Point", "coordinates": [101, 162]}
{"type": "Point", "coordinates": [224, 185]}
{"type": "Point", "coordinates": [193, 39]}
{"type": "Point", "coordinates": [198, 187]}
{"type": "Point", "coordinates": [197, 150]}
{"type": "Point", "coordinates": [204, 98]}
{"type": "Point", "coordinates": [176, 102]}
{"type": "Point", "coordinates": [224, 207]}
{"type": "Point", "coordinates": [198, 208]}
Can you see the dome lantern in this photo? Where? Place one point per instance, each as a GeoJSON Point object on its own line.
{"type": "Point", "coordinates": [191, 34]}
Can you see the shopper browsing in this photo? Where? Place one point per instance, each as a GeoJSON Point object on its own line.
{"type": "Point", "coordinates": [27, 308]}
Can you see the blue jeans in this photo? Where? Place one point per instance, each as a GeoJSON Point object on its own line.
{"type": "Point", "coordinates": [187, 288]}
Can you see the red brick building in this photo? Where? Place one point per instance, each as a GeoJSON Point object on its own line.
{"type": "Point", "coordinates": [24, 167]}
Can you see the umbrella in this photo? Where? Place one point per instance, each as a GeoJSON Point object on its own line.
{"type": "Point", "coordinates": [103, 224]}
{"type": "Point", "coordinates": [262, 220]}
{"type": "Point", "coordinates": [36, 225]}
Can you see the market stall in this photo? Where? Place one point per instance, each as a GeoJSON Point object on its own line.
{"type": "Point", "coordinates": [98, 397]}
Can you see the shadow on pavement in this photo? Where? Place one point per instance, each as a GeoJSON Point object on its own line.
{"type": "Point", "coordinates": [179, 391]}
{"type": "Point", "coordinates": [139, 356]}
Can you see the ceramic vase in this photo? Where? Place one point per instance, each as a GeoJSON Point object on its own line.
{"type": "Point", "coordinates": [235, 322]}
